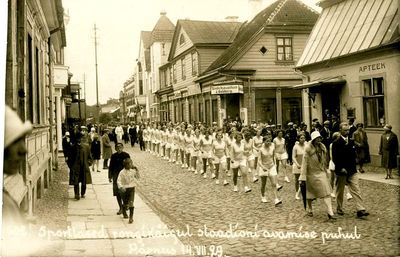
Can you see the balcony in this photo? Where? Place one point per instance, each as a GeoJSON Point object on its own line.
{"type": "Point", "coordinates": [60, 76]}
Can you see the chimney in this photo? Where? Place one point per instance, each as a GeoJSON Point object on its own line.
{"type": "Point", "coordinates": [231, 18]}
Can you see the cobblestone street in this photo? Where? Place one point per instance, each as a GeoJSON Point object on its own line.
{"type": "Point", "coordinates": [188, 201]}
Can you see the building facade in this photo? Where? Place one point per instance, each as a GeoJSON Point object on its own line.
{"type": "Point", "coordinates": [351, 66]}
{"type": "Point", "coordinates": [252, 79]}
{"type": "Point", "coordinates": [35, 76]}
{"type": "Point", "coordinates": [195, 45]}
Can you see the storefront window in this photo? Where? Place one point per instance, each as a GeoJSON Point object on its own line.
{"type": "Point", "coordinates": [374, 102]}
{"type": "Point", "coordinates": [291, 110]}
{"type": "Point", "coordinates": [265, 106]}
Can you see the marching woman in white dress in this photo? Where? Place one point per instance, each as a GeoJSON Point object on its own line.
{"type": "Point", "coordinates": [238, 161]}
{"type": "Point", "coordinates": [266, 162]}
{"type": "Point", "coordinates": [281, 155]}
{"type": "Point", "coordinates": [188, 146]}
{"type": "Point", "coordinates": [219, 153]}
{"type": "Point", "coordinates": [257, 144]}
{"type": "Point", "coordinates": [146, 138]}
{"type": "Point", "coordinates": [196, 150]}
{"type": "Point", "coordinates": [248, 154]}
{"type": "Point", "coordinates": [297, 157]}
{"type": "Point", "coordinates": [163, 142]}
{"type": "Point", "coordinates": [229, 140]}
{"type": "Point", "coordinates": [181, 146]}
{"type": "Point", "coordinates": [206, 152]}
{"type": "Point", "coordinates": [176, 145]}
{"type": "Point", "coordinates": [168, 145]}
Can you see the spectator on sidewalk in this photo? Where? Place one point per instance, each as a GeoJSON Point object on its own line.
{"type": "Point", "coordinates": [126, 184]}
{"type": "Point", "coordinates": [14, 155]}
{"type": "Point", "coordinates": [389, 149]}
{"type": "Point", "coordinates": [81, 159]}
{"type": "Point", "coordinates": [116, 165]}
{"type": "Point", "coordinates": [107, 150]}
{"type": "Point", "coordinates": [95, 150]}
{"type": "Point", "coordinates": [344, 158]}
{"type": "Point", "coordinates": [67, 146]}
{"type": "Point", "coordinates": [362, 148]}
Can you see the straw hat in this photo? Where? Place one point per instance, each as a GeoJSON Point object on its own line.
{"type": "Point", "coordinates": [15, 128]}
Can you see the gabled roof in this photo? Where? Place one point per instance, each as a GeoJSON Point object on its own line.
{"type": "Point", "coordinates": [210, 31]}
{"type": "Point", "coordinates": [349, 27]}
{"type": "Point", "coordinates": [280, 14]}
{"type": "Point", "coordinates": [206, 32]}
{"type": "Point", "coordinates": [163, 31]}
{"type": "Point", "coordinates": [146, 37]}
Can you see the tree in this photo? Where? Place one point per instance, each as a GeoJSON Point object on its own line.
{"type": "Point", "coordinates": [105, 118]}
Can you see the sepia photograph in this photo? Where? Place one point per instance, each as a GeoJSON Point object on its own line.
{"type": "Point", "coordinates": [209, 128]}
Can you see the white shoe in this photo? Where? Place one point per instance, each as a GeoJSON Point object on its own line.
{"type": "Point", "coordinates": [255, 179]}
{"type": "Point", "coordinates": [333, 195]}
{"type": "Point", "coordinates": [277, 202]}
{"type": "Point", "coordinates": [235, 189]}
{"type": "Point", "coordinates": [278, 187]}
{"type": "Point", "coordinates": [205, 176]}
{"type": "Point", "coordinates": [264, 199]}
{"type": "Point", "coordinates": [247, 189]}
{"type": "Point", "coordinates": [297, 197]}
{"type": "Point", "coordinates": [213, 176]}
{"type": "Point", "coordinates": [287, 179]}
{"type": "Point", "coordinates": [226, 183]}
{"type": "Point", "coordinates": [183, 166]}
{"type": "Point", "coordinates": [348, 196]}
{"type": "Point", "coordinates": [217, 182]}
{"type": "Point", "coordinates": [195, 172]}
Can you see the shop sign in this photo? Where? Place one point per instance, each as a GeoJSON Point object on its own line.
{"type": "Point", "coordinates": [226, 89]}
{"type": "Point", "coordinates": [372, 67]}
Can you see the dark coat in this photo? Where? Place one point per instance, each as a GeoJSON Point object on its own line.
{"type": "Point", "coordinates": [116, 165]}
{"type": "Point", "coordinates": [326, 137]}
{"type": "Point", "coordinates": [140, 135]}
{"type": "Point", "coordinates": [344, 157]}
{"type": "Point", "coordinates": [389, 149]}
{"type": "Point", "coordinates": [67, 147]}
{"type": "Point", "coordinates": [362, 148]}
{"type": "Point", "coordinates": [95, 149]}
{"type": "Point", "coordinates": [132, 131]}
{"type": "Point", "coordinates": [80, 160]}
{"type": "Point", "coordinates": [107, 149]}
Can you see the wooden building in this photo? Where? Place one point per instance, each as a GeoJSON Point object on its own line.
{"type": "Point", "coordinates": [35, 76]}
{"type": "Point", "coordinates": [351, 66]}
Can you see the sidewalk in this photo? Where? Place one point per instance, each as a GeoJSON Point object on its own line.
{"type": "Point", "coordinates": [378, 174]}
{"type": "Point", "coordinates": [98, 231]}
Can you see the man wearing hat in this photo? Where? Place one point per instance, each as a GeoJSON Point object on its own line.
{"type": "Point", "coordinates": [389, 149]}
{"type": "Point", "coordinates": [326, 134]}
{"type": "Point", "coordinates": [14, 155]}
{"type": "Point", "coordinates": [67, 146]}
{"type": "Point", "coordinates": [344, 158]}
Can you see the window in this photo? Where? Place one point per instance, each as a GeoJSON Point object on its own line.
{"type": "Point", "coordinates": [163, 49]}
{"type": "Point", "coordinates": [181, 39]}
{"type": "Point", "coordinates": [171, 76]}
{"type": "Point", "coordinates": [174, 72]}
{"type": "Point", "coordinates": [194, 64]}
{"type": "Point", "coordinates": [284, 49]}
{"type": "Point", "coordinates": [140, 87]}
{"type": "Point", "coordinates": [374, 102]}
{"type": "Point", "coordinates": [37, 82]}
{"type": "Point", "coordinates": [29, 76]}
{"type": "Point", "coordinates": [183, 66]}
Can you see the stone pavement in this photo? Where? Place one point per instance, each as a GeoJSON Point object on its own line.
{"type": "Point", "coordinates": [95, 229]}
{"type": "Point", "coordinates": [240, 225]}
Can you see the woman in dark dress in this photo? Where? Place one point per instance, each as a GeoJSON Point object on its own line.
{"type": "Point", "coordinates": [362, 148]}
{"type": "Point", "coordinates": [389, 149]}
{"type": "Point", "coordinates": [95, 150]}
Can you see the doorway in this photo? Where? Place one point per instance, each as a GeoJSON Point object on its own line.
{"type": "Point", "coordinates": [330, 96]}
{"type": "Point", "coordinates": [232, 106]}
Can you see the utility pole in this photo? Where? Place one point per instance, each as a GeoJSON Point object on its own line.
{"type": "Point", "coordinates": [84, 95]}
{"type": "Point", "coordinates": [97, 77]}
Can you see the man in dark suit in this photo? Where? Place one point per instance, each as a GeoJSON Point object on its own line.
{"type": "Point", "coordinates": [133, 133]}
{"type": "Point", "coordinates": [326, 134]}
{"type": "Point", "coordinates": [352, 127]}
{"type": "Point", "coordinates": [344, 158]}
{"type": "Point", "coordinates": [116, 165]}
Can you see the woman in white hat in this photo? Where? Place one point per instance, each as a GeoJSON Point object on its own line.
{"type": "Point", "coordinates": [314, 173]}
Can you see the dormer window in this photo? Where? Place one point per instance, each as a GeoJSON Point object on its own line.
{"type": "Point", "coordinates": [181, 39]}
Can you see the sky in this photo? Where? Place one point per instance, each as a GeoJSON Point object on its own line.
{"type": "Point", "coordinates": [119, 23]}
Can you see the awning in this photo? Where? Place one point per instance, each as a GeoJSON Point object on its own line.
{"type": "Point", "coordinates": [115, 110]}
{"type": "Point", "coordinates": [339, 80]}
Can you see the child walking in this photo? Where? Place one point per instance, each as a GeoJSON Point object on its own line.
{"type": "Point", "coordinates": [126, 184]}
